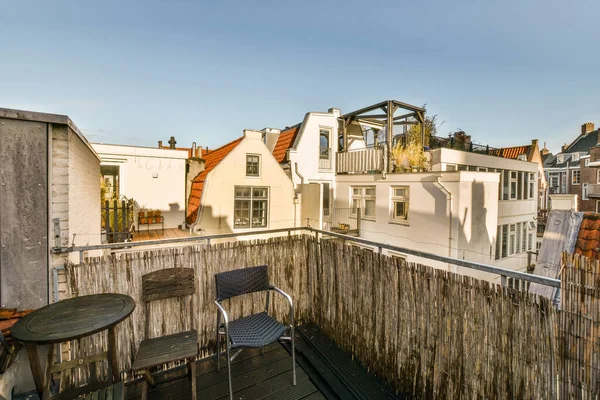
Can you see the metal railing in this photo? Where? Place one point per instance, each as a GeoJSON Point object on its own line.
{"type": "Point", "coordinates": [324, 158]}
{"type": "Point", "coordinates": [502, 272]}
{"type": "Point", "coordinates": [344, 220]}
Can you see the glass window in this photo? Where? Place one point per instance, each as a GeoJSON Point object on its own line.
{"type": "Point", "coordinates": [576, 177]}
{"type": "Point", "coordinates": [586, 162]}
{"type": "Point", "coordinates": [251, 206]}
{"type": "Point", "coordinates": [400, 202]}
{"type": "Point", "coordinates": [252, 165]}
{"type": "Point", "coordinates": [532, 185]}
{"type": "Point", "coordinates": [584, 191]}
{"type": "Point", "coordinates": [364, 198]}
{"type": "Point", "coordinates": [110, 181]}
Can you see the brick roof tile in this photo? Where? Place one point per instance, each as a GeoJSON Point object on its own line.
{"type": "Point", "coordinates": [211, 160]}
{"type": "Point", "coordinates": [284, 142]}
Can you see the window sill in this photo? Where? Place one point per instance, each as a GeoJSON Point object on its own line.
{"type": "Point", "coordinates": [397, 222]}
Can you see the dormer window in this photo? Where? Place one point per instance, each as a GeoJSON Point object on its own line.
{"type": "Point", "coordinates": [575, 157]}
{"type": "Point", "coordinates": [560, 158]}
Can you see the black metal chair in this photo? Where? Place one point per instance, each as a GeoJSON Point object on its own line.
{"type": "Point", "coordinates": [253, 331]}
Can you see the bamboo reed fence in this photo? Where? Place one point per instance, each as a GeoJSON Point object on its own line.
{"type": "Point", "coordinates": [579, 328]}
{"type": "Point", "coordinates": [428, 333]}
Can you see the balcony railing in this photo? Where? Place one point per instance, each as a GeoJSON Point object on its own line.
{"type": "Point", "coordinates": [324, 158]}
{"type": "Point", "coordinates": [344, 220]}
{"type": "Point", "coordinates": [360, 161]}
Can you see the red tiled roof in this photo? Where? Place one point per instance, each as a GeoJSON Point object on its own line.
{"type": "Point", "coordinates": [211, 160]}
{"type": "Point", "coordinates": [284, 142]}
{"type": "Point", "coordinates": [588, 238]}
{"type": "Point", "coordinates": [511, 152]}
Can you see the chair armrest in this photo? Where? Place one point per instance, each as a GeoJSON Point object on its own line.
{"type": "Point", "coordinates": [225, 316]}
{"type": "Point", "coordinates": [289, 299]}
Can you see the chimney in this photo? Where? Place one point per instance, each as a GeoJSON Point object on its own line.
{"type": "Point", "coordinates": [563, 147]}
{"type": "Point", "coordinates": [160, 144]}
{"type": "Point", "coordinates": [545, 150]}
{"type": "Point", "coordinates": [270, 137]}
{"type": "Point", "coordinates": [172, 143]}
{"type": "Point", "coordinates": [587, 128]}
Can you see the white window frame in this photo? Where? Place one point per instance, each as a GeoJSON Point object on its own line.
{"type": "Point", "coordinates": [576, 173]}
{"type": "Point", "coordinates": [597, 206]}
{"type": "Point", "coordinates": [560, 158]}
{"type": "Point", "coordinates": [598, 175]}
{"type": "Point", "coordinates": [532, 185]}
{"type": "Point", "coordinates": [325, 160]}
{"type": "Point", "coordinates": [586, 162]}
{"type": "Point", "coordinates": [395, 198]}
{"type": "Point", "coordinates": [257, 175]}
{"type": "Point", "coordinates": [512, 195]}
{"type": "Point", "coordinates": [362, 198]}
{"type": "Point", "coordinates": [584, 191]}
{"type": "Point", "coordinates": [575, 156]}
{"type": "Point", "coordinates": [251, 199]}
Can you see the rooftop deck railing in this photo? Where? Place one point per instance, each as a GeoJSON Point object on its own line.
{"type": "Point", "coordinates": [425, 331]}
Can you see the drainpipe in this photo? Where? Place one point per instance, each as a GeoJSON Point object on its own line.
{"type": "Point", "coordinates": [298, 173]}
{"type": "Point", "coordinates": [296, 193]}
{"type": "Point", "coordinates": [449, 199]}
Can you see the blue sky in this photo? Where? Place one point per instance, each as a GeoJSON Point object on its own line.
{"type": "Point", "coordinates": [138, 72]}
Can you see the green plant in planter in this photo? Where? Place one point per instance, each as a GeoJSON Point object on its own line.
{"type": "Point", "coordinates": [409, 157]}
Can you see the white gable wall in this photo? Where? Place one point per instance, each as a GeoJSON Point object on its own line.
{"type": "Point", "coordinates": [154, 178]}
{"type": "Point", "coordinates": [304, 157]}
{"type": "Point", "coordinates": [217, 203]}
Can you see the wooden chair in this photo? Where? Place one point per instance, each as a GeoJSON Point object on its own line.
{"type": "Point", "coordinates": [255, 330]}
{"type": "Point", "coordinates": [158, 285]}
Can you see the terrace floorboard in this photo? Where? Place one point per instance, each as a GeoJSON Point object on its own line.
{"type": "Point", "coordinates": [323, 371]}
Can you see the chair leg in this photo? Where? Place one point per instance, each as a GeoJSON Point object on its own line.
{"type": "Point", "coordinates": [218, 341]}
{"type": "Point", "coordinates": [293, 355]}
{"type": "Point", "coordinates": [193, 378]}
{"type": "Point", "coordinates": [229, 369]}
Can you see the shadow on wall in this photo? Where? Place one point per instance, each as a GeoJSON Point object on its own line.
{"type": "Point", "coordinates": [211, 224]}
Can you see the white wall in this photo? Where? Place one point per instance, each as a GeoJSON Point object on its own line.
{"type": "Point", "coordinates": [467, 230]}
{"type": "Point", "coordinates": [154, 178]}
{"type": "Point", "coordinates": [306, 153]}
{"type": "Point", "coordinates": [217, 203]}
{"type": "Point", "coordinates": [75, 198]}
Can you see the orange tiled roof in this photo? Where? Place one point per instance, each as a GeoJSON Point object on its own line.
{"type": "Point", "coordinates": [588, 238]}
{"type": "Point", "coordinates": [511, 152]}
{"type": "Point", "coordinates": [284, 142]}
{"type": "Point", "coordinates": [211, 160]}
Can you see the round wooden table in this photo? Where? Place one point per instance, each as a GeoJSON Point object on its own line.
{"type": "Point", "coordinates": [68, 320]}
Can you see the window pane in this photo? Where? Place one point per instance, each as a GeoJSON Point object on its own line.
{"type": "Point", "coordinates": [242, 214]}
{"type": "Point", "coordinates": [355, 204]}
{"type": "Point", "coordinates": [259, 214]}
{"type": "Point", "coordinates": [370, 192]}
{"type": "Point", "coordinates": [356, 191]}
{"type": "Point", "coordinates": [400, 192]}
{"type": "Point", "coordinates": [241, 191]}
{"type": "Point", "coordinates": [401, 210]}
{"type": "Point", "coordinates": [259, 192]}
{"type": "Point", "coordinates": [369, 208]}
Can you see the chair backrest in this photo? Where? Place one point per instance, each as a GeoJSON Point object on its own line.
{"type": "Point", "coordinates": [166, 283]}
{"type": "Point", "coordinates": [241, 281]}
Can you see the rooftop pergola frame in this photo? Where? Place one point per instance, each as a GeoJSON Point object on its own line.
{"type": "Point", "coordinates": [394, 113]}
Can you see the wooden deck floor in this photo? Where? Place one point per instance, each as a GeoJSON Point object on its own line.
{"type": "Point", "coordinates": [254, 376]}
{"type": "Point", "coordinates": [155, 234]}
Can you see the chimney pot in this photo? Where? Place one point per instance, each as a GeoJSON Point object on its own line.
{"type": "Point", "coordinates": [160, 144]}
